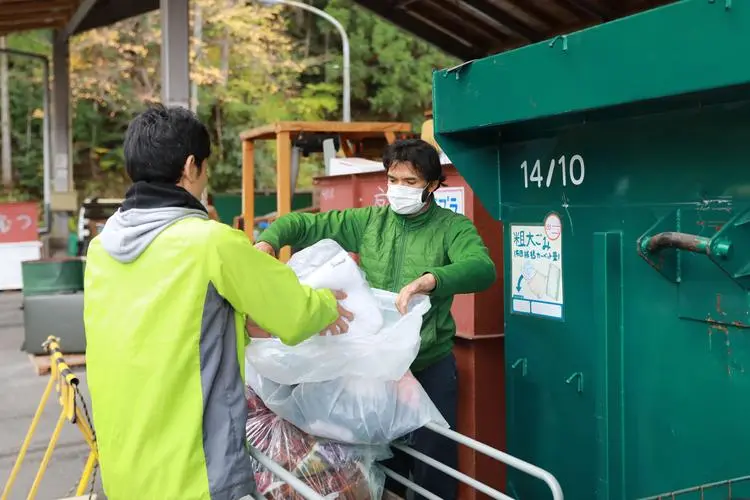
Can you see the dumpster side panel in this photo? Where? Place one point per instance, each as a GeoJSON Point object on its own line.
{"type": "Point", "coordinates": [640, 387]}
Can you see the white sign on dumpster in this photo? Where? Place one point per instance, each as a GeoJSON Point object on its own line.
{"type": "Point", "coordinates": [451, 198]}
{"type": "Point", "coordinates": [537, 269]}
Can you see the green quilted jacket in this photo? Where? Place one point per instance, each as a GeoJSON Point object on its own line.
{"type": "Point", "coordinates": [395, 250]}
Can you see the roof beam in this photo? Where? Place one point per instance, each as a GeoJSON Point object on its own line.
{"type": "Point", "coordinates": [8, 28]}
{"type": "Point", "coordinates": [40, 8]}
{"type": "Point", "coordinates": [444, 40]}
{"type": "Point", "coordinates": [503, 17]}
{"type": "Point", "coordinates": [482, 34]}
{"type": "Point", "coordinates": [586, 8]}
{"type": "Point", "coordinates": [534, 11]}
{"type": "Point", "coordinates": [9, 21]}
{"type": "Point", "coordinates": [75, 20]}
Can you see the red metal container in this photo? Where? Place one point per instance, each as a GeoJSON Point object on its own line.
{"type": "Point", "coordinates": [479, 346]}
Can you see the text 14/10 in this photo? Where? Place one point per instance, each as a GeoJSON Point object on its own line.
{"type": "Point", "coordinates": [572, 171]}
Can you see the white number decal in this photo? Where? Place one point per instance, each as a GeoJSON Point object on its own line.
{"type": "Point", "coordinates": [573, 170]}
{"type": "Point", "coordinates": [577, 180]}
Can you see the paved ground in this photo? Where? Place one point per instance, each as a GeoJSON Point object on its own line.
{"type": "Point", "coordinates": [21, 391]}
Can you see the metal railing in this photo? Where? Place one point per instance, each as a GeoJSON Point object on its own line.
{"type": "Point", "coordinates": [702, 489]}
{"type": "Point", "coordinates": [532, 470]}
{"type": "Point", "coordinates": [489, 451]}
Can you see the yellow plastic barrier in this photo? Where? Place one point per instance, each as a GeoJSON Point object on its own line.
{"type": "Point", "coordinates": [65, 383]}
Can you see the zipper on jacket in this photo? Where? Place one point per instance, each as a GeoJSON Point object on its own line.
{"type": "Point", "coordinates": [400, 259]}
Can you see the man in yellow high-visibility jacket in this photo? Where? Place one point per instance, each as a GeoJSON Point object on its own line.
{"type": "Point", "coordinates": [167, 294]}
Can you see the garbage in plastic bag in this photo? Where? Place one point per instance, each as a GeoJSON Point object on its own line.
{"type": "Point", "coordinates": [334, 470]}
{"type": "Point", "coordinates": [327, 265]}
{"type": "Point", "coordinates": [385, 355]}
{"type": "Point", "coordinates": [356, 387]}
{"type": "Point", "coordinates": [350, 409]}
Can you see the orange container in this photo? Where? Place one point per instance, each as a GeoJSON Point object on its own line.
{"type": "Point", "coordinates": [479, 345]}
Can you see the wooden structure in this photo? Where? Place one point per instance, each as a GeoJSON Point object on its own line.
{"type": "Point", "coordinates": [356, 139]}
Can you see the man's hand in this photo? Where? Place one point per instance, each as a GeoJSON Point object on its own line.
{"type": "Point", "coordinates": [265, 248]}
{"type": "Point", "coordinates": [254, 331]}
{"type": "Point", "coordinates": [341, 324]}
{"type": "Point", "coordinates": [420, 286]}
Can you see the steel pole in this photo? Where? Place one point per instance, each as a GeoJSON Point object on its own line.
{"type": "Point", "coordinates": [347, 111]}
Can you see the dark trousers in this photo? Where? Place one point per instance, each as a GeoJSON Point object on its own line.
{"type": "Point", "coordinates": [440, 381]}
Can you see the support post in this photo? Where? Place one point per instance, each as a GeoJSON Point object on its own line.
{"type": "Point", "coordinates": [175, 50]}
{"type": "Point", "coordinates": [62, 178]}
{"type": "Point", "coordinates": [248, 187]}
{"type": "Point", "coordinates": [63, 198]}
{"type": "Point", "coordinates": [284, 182]}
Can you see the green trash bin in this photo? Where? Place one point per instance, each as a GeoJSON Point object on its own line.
{"type": "Point", "coordinates": [51, 276]}
{"type": "Point", "coordinates": [618, 158]}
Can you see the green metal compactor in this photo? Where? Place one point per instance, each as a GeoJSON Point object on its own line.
{"type": "Point", "coordinates": [618, 159]}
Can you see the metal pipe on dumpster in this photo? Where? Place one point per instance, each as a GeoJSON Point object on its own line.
{"type": "Point", "coordinates": [684, 241]}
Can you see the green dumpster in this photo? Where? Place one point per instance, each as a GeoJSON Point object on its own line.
{"type": "Point", "coordinates": [49, 276]}
{"type": "Point", "coordinates": [618, 158]}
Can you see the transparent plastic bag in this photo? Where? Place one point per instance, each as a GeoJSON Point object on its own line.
{"type": "Point", "coordinates": [386, 355]}
{"type": "Point", "coordinates": [333, 470]}
{"type": "Point", "coordinates": [351, 410]}
{"type": "Point", "coordinates": [353, 388]}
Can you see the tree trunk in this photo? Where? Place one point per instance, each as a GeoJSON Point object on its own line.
{"type": "Point", "coordinates": [7, 172]}
{"type": "Point", "coordinates": [198, 39]}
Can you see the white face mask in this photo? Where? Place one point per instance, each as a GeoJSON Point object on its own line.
{"type": "Point", "coordinates": [405, 200]}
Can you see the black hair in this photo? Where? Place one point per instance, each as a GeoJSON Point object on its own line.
{"type": "Point", "coordinates": [159, 141]}
{"type": "Point", "coordinates": [421, 154]}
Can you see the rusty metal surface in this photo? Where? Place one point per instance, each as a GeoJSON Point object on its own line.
{"type": "Point", "coordinates": [683, 241]}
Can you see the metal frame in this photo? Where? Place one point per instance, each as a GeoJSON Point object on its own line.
{"type": "Point", "coordinates": [516, 463]}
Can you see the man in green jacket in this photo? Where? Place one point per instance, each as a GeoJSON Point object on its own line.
{"type": "Point", "coordinates": [413, 247]}
{"type": "Point", "coordinates": [167, 293]}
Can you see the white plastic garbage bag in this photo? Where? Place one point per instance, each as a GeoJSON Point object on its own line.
{"type": "Point", "coordinates": [385, 355]}
{"type": "Point", "coordinates": [327, 265]}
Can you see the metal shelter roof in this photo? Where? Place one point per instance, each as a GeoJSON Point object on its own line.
{"type": "Point", "coordinates": [471, 29]}
{"type": "Point", "coordinates": [23, 15]}
{"type": "Point", "coordinates": [70, 16]}
{"type": "Point", "coordinates": [467, 29]}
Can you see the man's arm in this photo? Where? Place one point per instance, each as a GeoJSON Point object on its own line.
{"type": "Point", "coordinates": [268, 291]}
{"type": "Point", "coordinates": [471, 269]}
{"type": "Point", "coordinates": [302, 230]}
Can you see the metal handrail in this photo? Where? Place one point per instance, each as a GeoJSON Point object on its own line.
{"type": "Point", "coordinates": [516, 463]}
{"type": "Point", "coordinates": [489, 451]}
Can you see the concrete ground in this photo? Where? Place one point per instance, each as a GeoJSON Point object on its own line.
{"type": "Point", "coordinates": [21, 391]}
